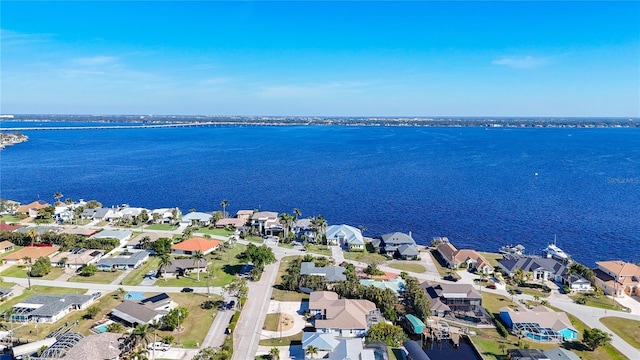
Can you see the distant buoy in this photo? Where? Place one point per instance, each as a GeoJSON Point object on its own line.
{"type": "Point", "coordinates": [536, 174]}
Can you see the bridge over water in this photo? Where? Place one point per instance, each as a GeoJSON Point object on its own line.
{"type": "Point", "coordinates": [104, 127]}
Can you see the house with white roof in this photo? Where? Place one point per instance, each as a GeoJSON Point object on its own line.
{"type": "Point", "coordinates": [197, 218]}
{"type": "Point", "coordinates": [166, 214]}
{"type": "Point", "coordinates": [123, 261]}
{"type": "Point", "coordinates": [266, 222]}
{"type": "Point", "coordinates": [345, 236]}
{"type": "Point", "coordinates": [121, 235]}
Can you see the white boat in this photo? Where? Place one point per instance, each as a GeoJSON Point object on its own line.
{"type": "Point", "coordinates": [552, 251]}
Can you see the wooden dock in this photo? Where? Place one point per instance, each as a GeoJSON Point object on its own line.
{"type": "Point", "coordinates": [437, 330]}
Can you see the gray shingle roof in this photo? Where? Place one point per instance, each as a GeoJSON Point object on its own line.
{"type": "Point", "coordinates": [397, 239]}
{"type": "Point", "coordinates": [533, 263]}
{"type": "Point", "coordinates": [123, 260]}
{"type": "Point", "coordinates": [53, 304]}
{"type": "Point", "coordinates": [330, 273]}
{"type": "Point", "coordinates": [408, 250]}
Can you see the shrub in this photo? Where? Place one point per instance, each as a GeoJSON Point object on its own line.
{"type": "Point", "coordinates": [88, 270]}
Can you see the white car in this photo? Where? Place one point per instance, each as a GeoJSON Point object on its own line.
{"type": "Point", "coordinates": [158, 345]}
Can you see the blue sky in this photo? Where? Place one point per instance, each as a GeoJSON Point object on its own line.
{"type": "Point", "coordinates": [419, 58]}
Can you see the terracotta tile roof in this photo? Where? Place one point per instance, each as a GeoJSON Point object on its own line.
{"type": "Point", "coordinates": [5, 244]}
{"type": "Point", "coordinates": [194, 244]}
{"type": "Point", "coordinates": [620, 268]}
{"type": "Point", "coordinates": [340, 313]}
{"type": "Point", "coordinates": [39, 204]}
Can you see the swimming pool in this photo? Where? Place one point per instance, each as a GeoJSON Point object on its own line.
{"type": "Point", "coordinates": [100, 329]}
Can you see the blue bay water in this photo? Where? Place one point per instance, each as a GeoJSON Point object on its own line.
{"type": "Point", "coordinates": [477, 186]}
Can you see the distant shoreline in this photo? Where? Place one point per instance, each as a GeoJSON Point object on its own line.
{"type": "Point", "coordinates": [157, 121]}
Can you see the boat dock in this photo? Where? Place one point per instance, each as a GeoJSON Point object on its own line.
{"type": "Point", "coordinates": [437, 330]}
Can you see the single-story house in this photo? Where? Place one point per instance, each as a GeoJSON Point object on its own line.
{"type": "Point", "coordinates": [197, 218]}
{"type": "Point", "coordinates": [121, 235]}
{"type": "Point", "coordinates": [79, 230]}
{"type": "Point", "coordinates": [345, 236]}
{"type": "Point", "coordinates": [31, 252]}
{"type": "Point", "coordinates": [467, 258]}
{"type": "Point", "coordinates": [351, 349]}
{"type": "Point", "coordinates": [49, 308]}
{"type": "Point", "coordinates": [98, 346]}
{"type": "Point", "coordinates": [165, 215]}
{"type": "Point", "coordinates": [540, 324]}
{"type": "Point", "coordinates": [577, 283]}
{"type": "Point", "coordinates": [526, 354]}
{"type": "Point", "coordinates": [330, 273]}
{"type": "Point", "coordinates": [325, 343]}
{"type": "Point", "coordinates": [561, 354]}
{"type": "Point", "coordinates": [6, 246]}
{"type": "Point", "coordinates": [144, 311]}
{"type": "Point", "coordinates": [396, 244]}
{"type": "Point", "coordinates": [540, 268]}
{"type": "Point", "coordinates": [342, 317]}
{"type": "Point", "coordinates": [190, 246]}
{"type": "Point", "coordinates": [40, 230]}
{"type": "Point", "coordinates": [98, 214]}
{"type": "Point", "coordinates": [618, 277]}
{"type": "Point", "coordinates": [183, 266]}
{"type": "Point", "coordinates": [32, 209]}
{"type": "Point", "coordinates": [77, 258]}
{"type": "Point", "coordinates": [235, 222]}
{"type": "Point", "coordinates": [124, 261]}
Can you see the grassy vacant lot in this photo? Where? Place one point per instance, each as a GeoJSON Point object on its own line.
{"type": "Point", "coordinates": [224, 266]}
{"type": "Point", "coordinates": [100, 277]}
{"type": "Point", "coordinates": [9, 219]}
{"type": "Point", "coordinates": [365, 257]}
{"type": "Point", "coordinates": [219, 232]}
{"type": "Point", "coordinates": [167, 227]}
{"type": "Point", "coordinates": [20, 271]}
{"type": "Point", "coordinates": [492, 258]}
{"type": "Point", "coordinates": [285, 341]}
{"type": "Point", "coordinates": [408, 266]}
{"type": "Point", "coordinates": [628, 330]}
{"type": "Point", "coordinates": [283, 295]}
{"type": "Point", "coordinates": [137, 275]}
{"type": "Point", "coordinates": [197, 324]}
{"type": "Point", "coordinates": [601, 302]}
{"type": "Point", "coordinates": [319, 249]}
{"type": "Point", "coordinates": [271, 322]}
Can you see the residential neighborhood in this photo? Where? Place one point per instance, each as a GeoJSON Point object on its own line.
{"type": "Point", "coordinates": [263, 284]}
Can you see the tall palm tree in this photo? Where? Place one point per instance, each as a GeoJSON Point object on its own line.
{"type": "Point", "coordinates": [33, 235]}
{"type": "Point", "coordinates": [140, 335]}
{"type": "Point", "coordinates": [165, 260]}
{"type": "Point", "coordinates": [58, 195]}
{"type": "Point", "coordinates": [286, 220]}
{"type": "Point", "coordinates": [197, 257]}
{"type": "Point", "coordinates": [224, 203]}
{"type": "Point", "coordinates": [297, 213]}
{"type": "Point", "coordinates": [319, 225]}
{"type": "Point", "coordinates": [311, 350]}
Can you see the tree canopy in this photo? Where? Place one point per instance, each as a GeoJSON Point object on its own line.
{"type": "Point", "coordinates": [259, 256]}
{"type": "Point", "coordinates": [390, 334]}
{"type": "Point", "coordinates": [594, 338]}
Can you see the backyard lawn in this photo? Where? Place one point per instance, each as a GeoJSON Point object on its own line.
{"type": "Point", "coordinates": [219, 232]}
{"type": "Point", "coordinates": [100, 277]}
{"type": "Point", "coordinates": [10, 219]}
{"type": "Point", "coordinates": [407, 266]}
{"type": "Point", "coordinates": [628, 330]}
{"type": "Point", "coordinates": [492, 258]}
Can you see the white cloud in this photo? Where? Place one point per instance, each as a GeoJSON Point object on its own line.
{"type": "Point", "coordinates": [521, 62]}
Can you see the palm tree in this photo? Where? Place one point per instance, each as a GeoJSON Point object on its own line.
{"type": "Point", "coordinates": [311, 351]}
{"type": "Point", "coordinates": [224, 204]}
{"type": "Point", "coordinates": [165, 260]}
{"type": "Point", "coordinates": [121, 293]}
{"type": "Point", "coordinates": [297, 213]}
{"type": "Point", "coordinates": [197, 257]}
{"type": "Point", "coordinates": [319, 225]}
{"type": "Point", "coordinates": [58, 195]}
{"type": "Point", "coordinates": [33, 235]}
{"type": "Point", "coordinates": [286, 220]}
{"type": "Point", "coordinates": [140, 335]}
{"type": "Point", "coordinates": [274, 353]}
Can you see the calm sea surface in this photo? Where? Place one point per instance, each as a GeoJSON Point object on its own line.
{"type": "Point", "coordinates": [478, 187]}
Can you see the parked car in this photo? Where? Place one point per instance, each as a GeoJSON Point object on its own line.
{"type": "Point", "coordinates": [517, 291]}
{"type": "Point", "coordinates": [158, 345]}
{"type": "Point", "coordinates": [96, 295]}
{"type": "Point", "coordinates": [186, 290]}
{"type": "Point", "coordinates": [231, 304]}
{"type": "Point", "coordinates": [227, 331]}
{"type": "Point", "coordinates": [492, 286]}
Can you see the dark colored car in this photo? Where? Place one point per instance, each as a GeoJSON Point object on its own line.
{"type": "Point", "coordinates": [491, 287]}
{"type": "Point", "coordinates": [186, 290]}
{"type": "Point", "coordinates": [451, 278]}
{"type": "Point", "coordinates": [231, 304]}
{"type": "Point", "coordinates": [517, 291]}
{"type": "Point", "coordinates": [227, 331]}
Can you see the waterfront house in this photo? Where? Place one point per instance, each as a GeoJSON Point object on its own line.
{"type": "Point", "coordinates": [469, 259]}
{"type": "Point", "coordinates": [457, 300]}
{"type": "Point", "coordinates": [397, 244]}
{"type": "Point", "coordinates": [346, 236]}
{"type": "Point", "coordinates": [98, 214]}
{"type": "Point", "coordinates": [577, 283]}
{"type": "Point", "coordinates": [232, 221]}
{"type": "Point", "coordinates": [31, 252]}
{"type": "Point", "coordinates": [43, 308]}
{"type": "Point", "coordinates": [31, 209]}
{"type": "Point", "coordinates": [303, 230]}
{"type": "Point", "coordinates": [145, 311]}
{"type": "Point", "coordinates": [544, 269]}
{"type": "Point", "coordinates": [266, 222]}
{"type": "Point", "coordinates": [342, 317]}
{"type": "Point", "coordinates": [123, 261]}
{"type": "Point", "coordinates": [540, 324]}
{"type": "Point", "coordinates": [190, 246]}
{"type": "Point", "coordinates": [165, 215]}
{"type": "Point", "coordinates": [325, 343]}
{"type": "Point", "coordinates": [197, 219]}
{"type": "Point", "coordinates": [526, 354]}
{"type": "Point", "coordinates": [6, 246]}
{"type": "Point", "coordinates": [618, 277]}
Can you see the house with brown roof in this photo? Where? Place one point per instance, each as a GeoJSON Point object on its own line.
{"type": "Point", "coordinates": [77, 258]}
{"type": "Point", "coordinates": [144, 311]}
{"type": "Point", "coordinates": [617, 277]}
{"type": "Point", "coordinates": [459, 302]}
{"type": "Point", "coordinates": [342, 317]}
{"type": "Point", "coordinates": [31, 252]}
{"type": "Point", "coordinates": [466, 258]}
{"type": "Point", "coordinates": [6, 246]}
{"type": "Point", "coordinates": [32, 209]}
{"type": "Point", "coordinates": [182, 267]}
{"type": "Point", "coordinates": [190, 246]}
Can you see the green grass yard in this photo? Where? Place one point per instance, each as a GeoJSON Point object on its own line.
{"type": "Point", "coordinates": [100, 277]}
{"type": "Point", "coordinates": [628, 330]}
{"type": "Point", "coordinates": [407, 266]}
{"type": "Point", "coordinates": [137, 275]}
{"type": "Point", "coordinates": [166, 227]}
{"type": "Point", "coordinates": [20, 271]}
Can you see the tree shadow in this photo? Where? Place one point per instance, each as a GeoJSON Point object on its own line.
{"type": "Point", "coordinates": [232, 269]}
{"type": "Point", "coordinates": [575, 345]}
